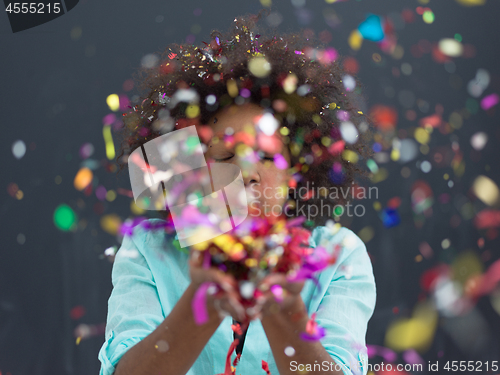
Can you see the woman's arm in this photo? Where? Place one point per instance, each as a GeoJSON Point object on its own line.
{"type": "Point", "coordinates": [185, 338]}
{"type": "Point", "coordinates": [344, 311]}
{"type": "Point", "coordinates": [283, 329]}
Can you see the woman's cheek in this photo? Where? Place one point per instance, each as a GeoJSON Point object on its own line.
{"type": "Point", "coordinates": [271, 187]}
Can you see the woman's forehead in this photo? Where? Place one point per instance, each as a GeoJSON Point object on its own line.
{"type": "Point", "coordinates": [238, 115]}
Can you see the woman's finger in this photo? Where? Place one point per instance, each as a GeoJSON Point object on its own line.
{"type": "Point", "coordinates": [199, 275]}
{"type": "Point", "coordinates": [228, 305]}
{"type": "Point", "coordinates": [281, 280]}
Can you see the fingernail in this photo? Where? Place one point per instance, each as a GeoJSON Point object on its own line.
{"type": "Point", "coordinates": [226, 286]}
{"type": "Point", "coordinates": [264, 287]}
{"type": "Point", "coordinates": [241, 313]}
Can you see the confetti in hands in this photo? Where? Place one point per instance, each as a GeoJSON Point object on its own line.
{"type": "Point", "coordinates": [266, 256]}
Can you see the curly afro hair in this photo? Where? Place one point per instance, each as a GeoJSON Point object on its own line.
{"type": "Point", "coordinates": [295, 76]}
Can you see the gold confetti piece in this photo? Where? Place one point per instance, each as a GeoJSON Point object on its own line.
{"type": "Point", "coordinates": [251, 262]}
{"type": "Point", "coordinates": [110, 195]}
{"type": "Point", "coordinates": [422, 136]}
{"type": "Point", "coordinates": [232, 88]}
{"type": "Point", "coordinates": [355, 40]}
{"type": "Point", "coordinates": [136, 209]}
{"type": "Point", "coordinates": [290, 83]}
{"type": "Point", "coordinates": [465, 266]}
{"type": "Point", "coordinates": [451, 47]}
{"type": "Point", "coordinates": [486, 190]}
{"type": "Point", "coordinates": [284, 131]}
{"type": "Point", "coordinates": [380, 175]}
{"type": "Point", "coordinates": [366, 234]}
{"type": "Point", "coordinates": [193, 110]}
{"type": "Point", "coordinates": [111, 223]}
{"type": "Point", "coordinates": [414, 333]}
{"type": "Point", "coordinates": [350, 156]}
{"type": "Point", "coordinates": [395, 154]}
{"type": "Point", "coordinates": [108, 140]}
{"type": "Point", "coordinates": [113, 102]}
{"type": "Point", "coordinates": [471, 3]}
{"type": "Point", "coordinates": [83, 178]}
{"type": "Point", "coordinates": [259, 67]}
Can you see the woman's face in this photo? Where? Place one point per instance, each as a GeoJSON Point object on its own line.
{"type": "Point", "coordinates": [265, 180]}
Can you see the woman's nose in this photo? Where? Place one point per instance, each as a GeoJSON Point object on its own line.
{"type": "Point", "coordinates": [249, 172]}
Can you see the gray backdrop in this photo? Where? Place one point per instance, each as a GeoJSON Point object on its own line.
{"type": "Point", "coordinates": [53, 95]}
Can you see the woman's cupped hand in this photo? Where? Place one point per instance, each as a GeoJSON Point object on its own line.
{"type": "Point", "coordinates": [275, 293]}
{"type": "Point", "coordinates": [224, 296]}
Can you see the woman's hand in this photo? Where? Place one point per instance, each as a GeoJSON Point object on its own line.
{"type": "Point", "coordinates": [278, 295]}
{"type": "Point", "coordinates": [226, 300]}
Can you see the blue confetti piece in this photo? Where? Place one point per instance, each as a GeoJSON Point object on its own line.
{"type": "Point", "coordinates": [337, 178]}
{"type": "Point", "coordinates": [377, 147]}
{"type": "Point", "coordinates": [371, 28]}
{"type": "Point", "coordinates": [390, 217]}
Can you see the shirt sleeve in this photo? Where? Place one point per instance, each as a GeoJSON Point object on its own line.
{"type": "Point", "coordinates": [134, 309]}
{"type": "Point", "coordinates": [348, 305]}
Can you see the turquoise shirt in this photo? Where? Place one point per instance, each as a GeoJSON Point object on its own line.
{"type": "Point", "coordinates": [150, 275]}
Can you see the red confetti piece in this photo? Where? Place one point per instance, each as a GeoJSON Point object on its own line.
{"type": "Point", "coordinates": [228, 370]}
{"type": "Point", "coordinates": [336, 148]}
{"type": "Point", "coordinates": [384, 117]}
{"type": "Point", "coordinates": [433, 120]}
{"type": "Point", "coordinates": [265, 367]}
{"type": "Point", "coordinates": [394, 202]}
{"type": "Point", "coordinates": [487, 218]}
{"type": "Point", "coordinates": [77, 312]}
{"type": "Point", "coordinates": [127, 193]}
{"type": "Point", "coordinates": [488, 281]}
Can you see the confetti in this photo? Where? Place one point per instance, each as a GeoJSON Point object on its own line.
{"type": "Point", "coordinates": [486, 190]}
{"type": "Point", "coordinates": [259, 67]}
{"type": "Point", "coordinates": [83, 178]}
{"type": "Point", "coordinates": [18, 149]}
{"type": "Point", "coordinates": [490, 101]}
{"type": "Point", "coordinates": [64, 217]}
{"type": "Point", "coordinates": [108, 140]}
{"type": "Point", "coordinates": [371, 28]}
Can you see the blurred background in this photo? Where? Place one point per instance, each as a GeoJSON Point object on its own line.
{"type": "Point", "coordinates": [430, 80]}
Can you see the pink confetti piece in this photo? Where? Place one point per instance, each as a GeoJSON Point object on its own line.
{"type": "Point", "coordinates": [489, 101]}
{"type": "Point", "coordinates": [109, 119]}
{"type": "Point", "coordinates": [199, 303]}
{"type": "Point", "coordinates": [280, 161]}
{"type": "Point", "coordinates": [387, 354]}
{"type": "Point", "coordinates": [277, 291]}
{"type": "Point", "coordinates": [412, 357]}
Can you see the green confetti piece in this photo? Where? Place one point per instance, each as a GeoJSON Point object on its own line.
{"type": "Point", "coordinates": [64, 217]}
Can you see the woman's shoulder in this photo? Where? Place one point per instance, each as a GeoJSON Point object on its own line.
{"type": "Point", "coordinates": [329, 236]}
{"type": "Point", "coordinates": [335, 232]}
{"type": "Point", "coordinates": [149, 234]}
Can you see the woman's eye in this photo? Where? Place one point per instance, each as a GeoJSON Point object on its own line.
{"type": "Point", "coordinates": [270, 158]}
{"type": "Point", "coordinates": [225, 159]}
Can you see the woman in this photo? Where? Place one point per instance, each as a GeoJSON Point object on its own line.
{"type": "Point", "coordinates": [228, 90]}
